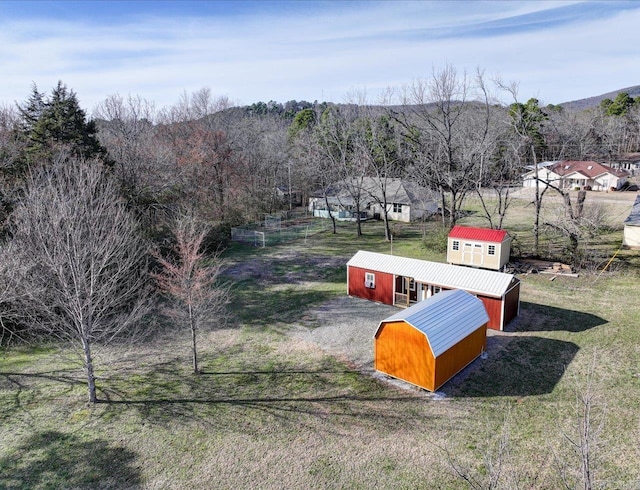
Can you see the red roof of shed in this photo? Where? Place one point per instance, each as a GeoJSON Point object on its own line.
{"type": "Point", "coordinates": [481, 234]}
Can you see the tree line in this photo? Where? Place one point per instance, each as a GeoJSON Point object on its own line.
{"type": "Point", "coordinates": [100, 215]}
{"type": "Point", "coordinates": [450, 133]}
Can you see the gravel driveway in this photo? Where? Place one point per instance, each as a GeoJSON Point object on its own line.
{"type": "Point", "coordinates": [345, 327]}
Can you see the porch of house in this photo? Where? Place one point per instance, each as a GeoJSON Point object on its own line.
{"type": "Point", "coordinates": [407, 291]}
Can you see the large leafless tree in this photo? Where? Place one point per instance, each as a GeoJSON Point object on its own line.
{"type": "Point", "coordinates": [85, 274]}
{"type": "Point", "coordinates": [446, 122]}
{"type": "Point", "coordinates": [11, 292]}
{"type": "Point", "coordinates": [127, 130]}
{"type": "Point", "coordinates": [378, 144]}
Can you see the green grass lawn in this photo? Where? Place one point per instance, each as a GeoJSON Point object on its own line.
{"type": "Point", "coordinates": [270, 411]}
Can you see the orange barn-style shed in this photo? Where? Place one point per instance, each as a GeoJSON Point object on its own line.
{"type": "Point", "coordinates": [430, 342]}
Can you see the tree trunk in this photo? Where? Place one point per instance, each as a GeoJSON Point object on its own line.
{"type": "Point", "coordinates": [453, 210]}
{"type": "Point", "coordinates": [538, 204]}
{"type": "Point", "coordinates": [574, 242]}
{"type": "Point", "coordinates": [358, 221]}
{"type": "Point", "coordinates": [88, 362]}
{"type": "Point", "coordinates": [194, 350]}
{"type": "Point", "coordinates": [331, 216]}
{"type": "Point", "coordinates": [385, 217]}
{"type": "Point", "coordinates": [387, 228]}
{"type": "Point", "coordinates": [582, 195]}
{"type": "Point", "coordinates": [384, 204]}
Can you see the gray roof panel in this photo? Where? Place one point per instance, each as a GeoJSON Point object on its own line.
{"type": "Point", "coordinates": [634, 216]}
{"type": "Point", "coordinates": [478, 281]}
{"type": "Point", "coordinates": [445, 318]}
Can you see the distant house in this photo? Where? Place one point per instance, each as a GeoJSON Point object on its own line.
{"type": "Point", "coordinates": [631, 236]}
{"type": "Point", "coordinates": [629, 162]}
{"type": "Point", "coordinates": [570, 174]}
{"type": "Point", "coordinates": [478, 247]}
{"type": "Point", "coordinates": [406, 200]}
{"type": "Point", "coordinates": [403, 281]}
{"type": "Point", "coordinates": [430, 342]}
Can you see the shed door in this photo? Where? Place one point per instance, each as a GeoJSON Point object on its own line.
{"type": "Point", "coordinates": [472, 253]}
{"type": "Point", "coordinates": [477, 254]}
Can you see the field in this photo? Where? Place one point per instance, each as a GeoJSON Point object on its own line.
{"type": "Point", "coordinates": [275, 409]}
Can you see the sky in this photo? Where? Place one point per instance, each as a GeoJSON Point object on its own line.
{"type": "Point", "coordinates": [555, 51]}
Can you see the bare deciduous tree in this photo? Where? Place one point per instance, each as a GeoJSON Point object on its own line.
{"type": "Point", "coordinates": [10, 291]}
{"type": "Point", "coordinates": [188, 278]}
{"type": "Point", "coordinates": [447, 128]}
{"type": "Point", "coordinates": [336, 135]}
{"type": "Point", "coordinates": [577, 222]}
{"type": "Point", "coordinates": [578, 465]}
{"type": "Point", "coordinates": [127, 129]}
{"type": "Point", "coordinates": [527, 121]}
{"type": "Point", "coordinates": [377, 142]}
{"type": "Point", "coordinates": [490, 469]}
{"type": "Point", "coordinates": [307, 148]}
{"type": "Point", "coordinates": [85, 264]}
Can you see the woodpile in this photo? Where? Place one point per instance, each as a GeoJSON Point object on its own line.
{"type": "Point", "coordinates": [536, 266]}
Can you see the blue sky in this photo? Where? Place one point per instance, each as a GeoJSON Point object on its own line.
{"type": "Point", "coordinates": [313, 50]}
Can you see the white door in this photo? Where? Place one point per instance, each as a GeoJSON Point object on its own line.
{"type": "Point", "coordinates": [477, 254]}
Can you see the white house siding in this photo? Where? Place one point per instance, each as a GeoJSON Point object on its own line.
{"type": "Point", "coordinates": [631, 236]}
{"type": "Point", "coordinates": [544, 176]}
{"type": "Point", "coordinates": [404, 215]}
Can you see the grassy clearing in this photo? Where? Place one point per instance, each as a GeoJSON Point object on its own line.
{"type": "Point", "coordinates": [270, 411]}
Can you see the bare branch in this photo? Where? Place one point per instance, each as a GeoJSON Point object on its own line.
{"type": "Point", "coordinates": [84, 264]}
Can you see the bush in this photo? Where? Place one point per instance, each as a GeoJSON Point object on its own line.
{"type": "Point", "coordinates": [436, 239]}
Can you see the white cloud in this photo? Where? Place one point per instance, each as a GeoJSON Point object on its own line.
{"type": "Point", "coordinates": [321, 56]}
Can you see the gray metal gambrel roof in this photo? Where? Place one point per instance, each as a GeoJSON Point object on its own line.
{"type": "Point", "coordinates": [478, 281]}
{"type": "Point", "coordinates": [634, 216]}
{"type": "Point", "coordinates": [445, 318]}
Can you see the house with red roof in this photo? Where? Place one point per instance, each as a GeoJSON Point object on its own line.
{"type": "Point", "coordinates": [572, 174]}
{"type": "Point", "coordinates": [478, 247]}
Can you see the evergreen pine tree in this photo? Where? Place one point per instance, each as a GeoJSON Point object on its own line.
{"type": "Point", "coordinates": [46, 127]}
{"type": "Point", "coordinates": [58, 122]}
{"type": "Point", "coordinates": [31, 110]}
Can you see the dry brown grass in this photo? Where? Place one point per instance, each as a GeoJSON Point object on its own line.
{"type": "Point", "coordinates": [275, 411]}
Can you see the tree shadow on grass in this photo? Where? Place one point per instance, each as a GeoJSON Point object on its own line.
{"type": "Point", "coordinates": [516, 366]}
{"type": "Point", "coordinates": [252, 401]}
{"type": "Point", "coordinates": [265, 307]}
{"type": "Point", "coordinates": [20, 384]}
{"type": "Point", "coordinates": [542, 318]}
{"type": "Point", "coordinates": [53, 459]}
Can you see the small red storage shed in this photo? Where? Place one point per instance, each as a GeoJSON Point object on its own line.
{"type": "Point", "coordinates": [403, 281]}
{"type": "Point", "coordinates": [478, 247]}
{"type": "Point", "coordinates": [430, 342]}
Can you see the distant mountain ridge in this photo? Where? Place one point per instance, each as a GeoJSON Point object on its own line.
{"type": "Point", "coordinates": [591, 102]}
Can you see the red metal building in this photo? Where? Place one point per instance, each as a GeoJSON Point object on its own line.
{"type": "Point", "coordinates": [403, 281]}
